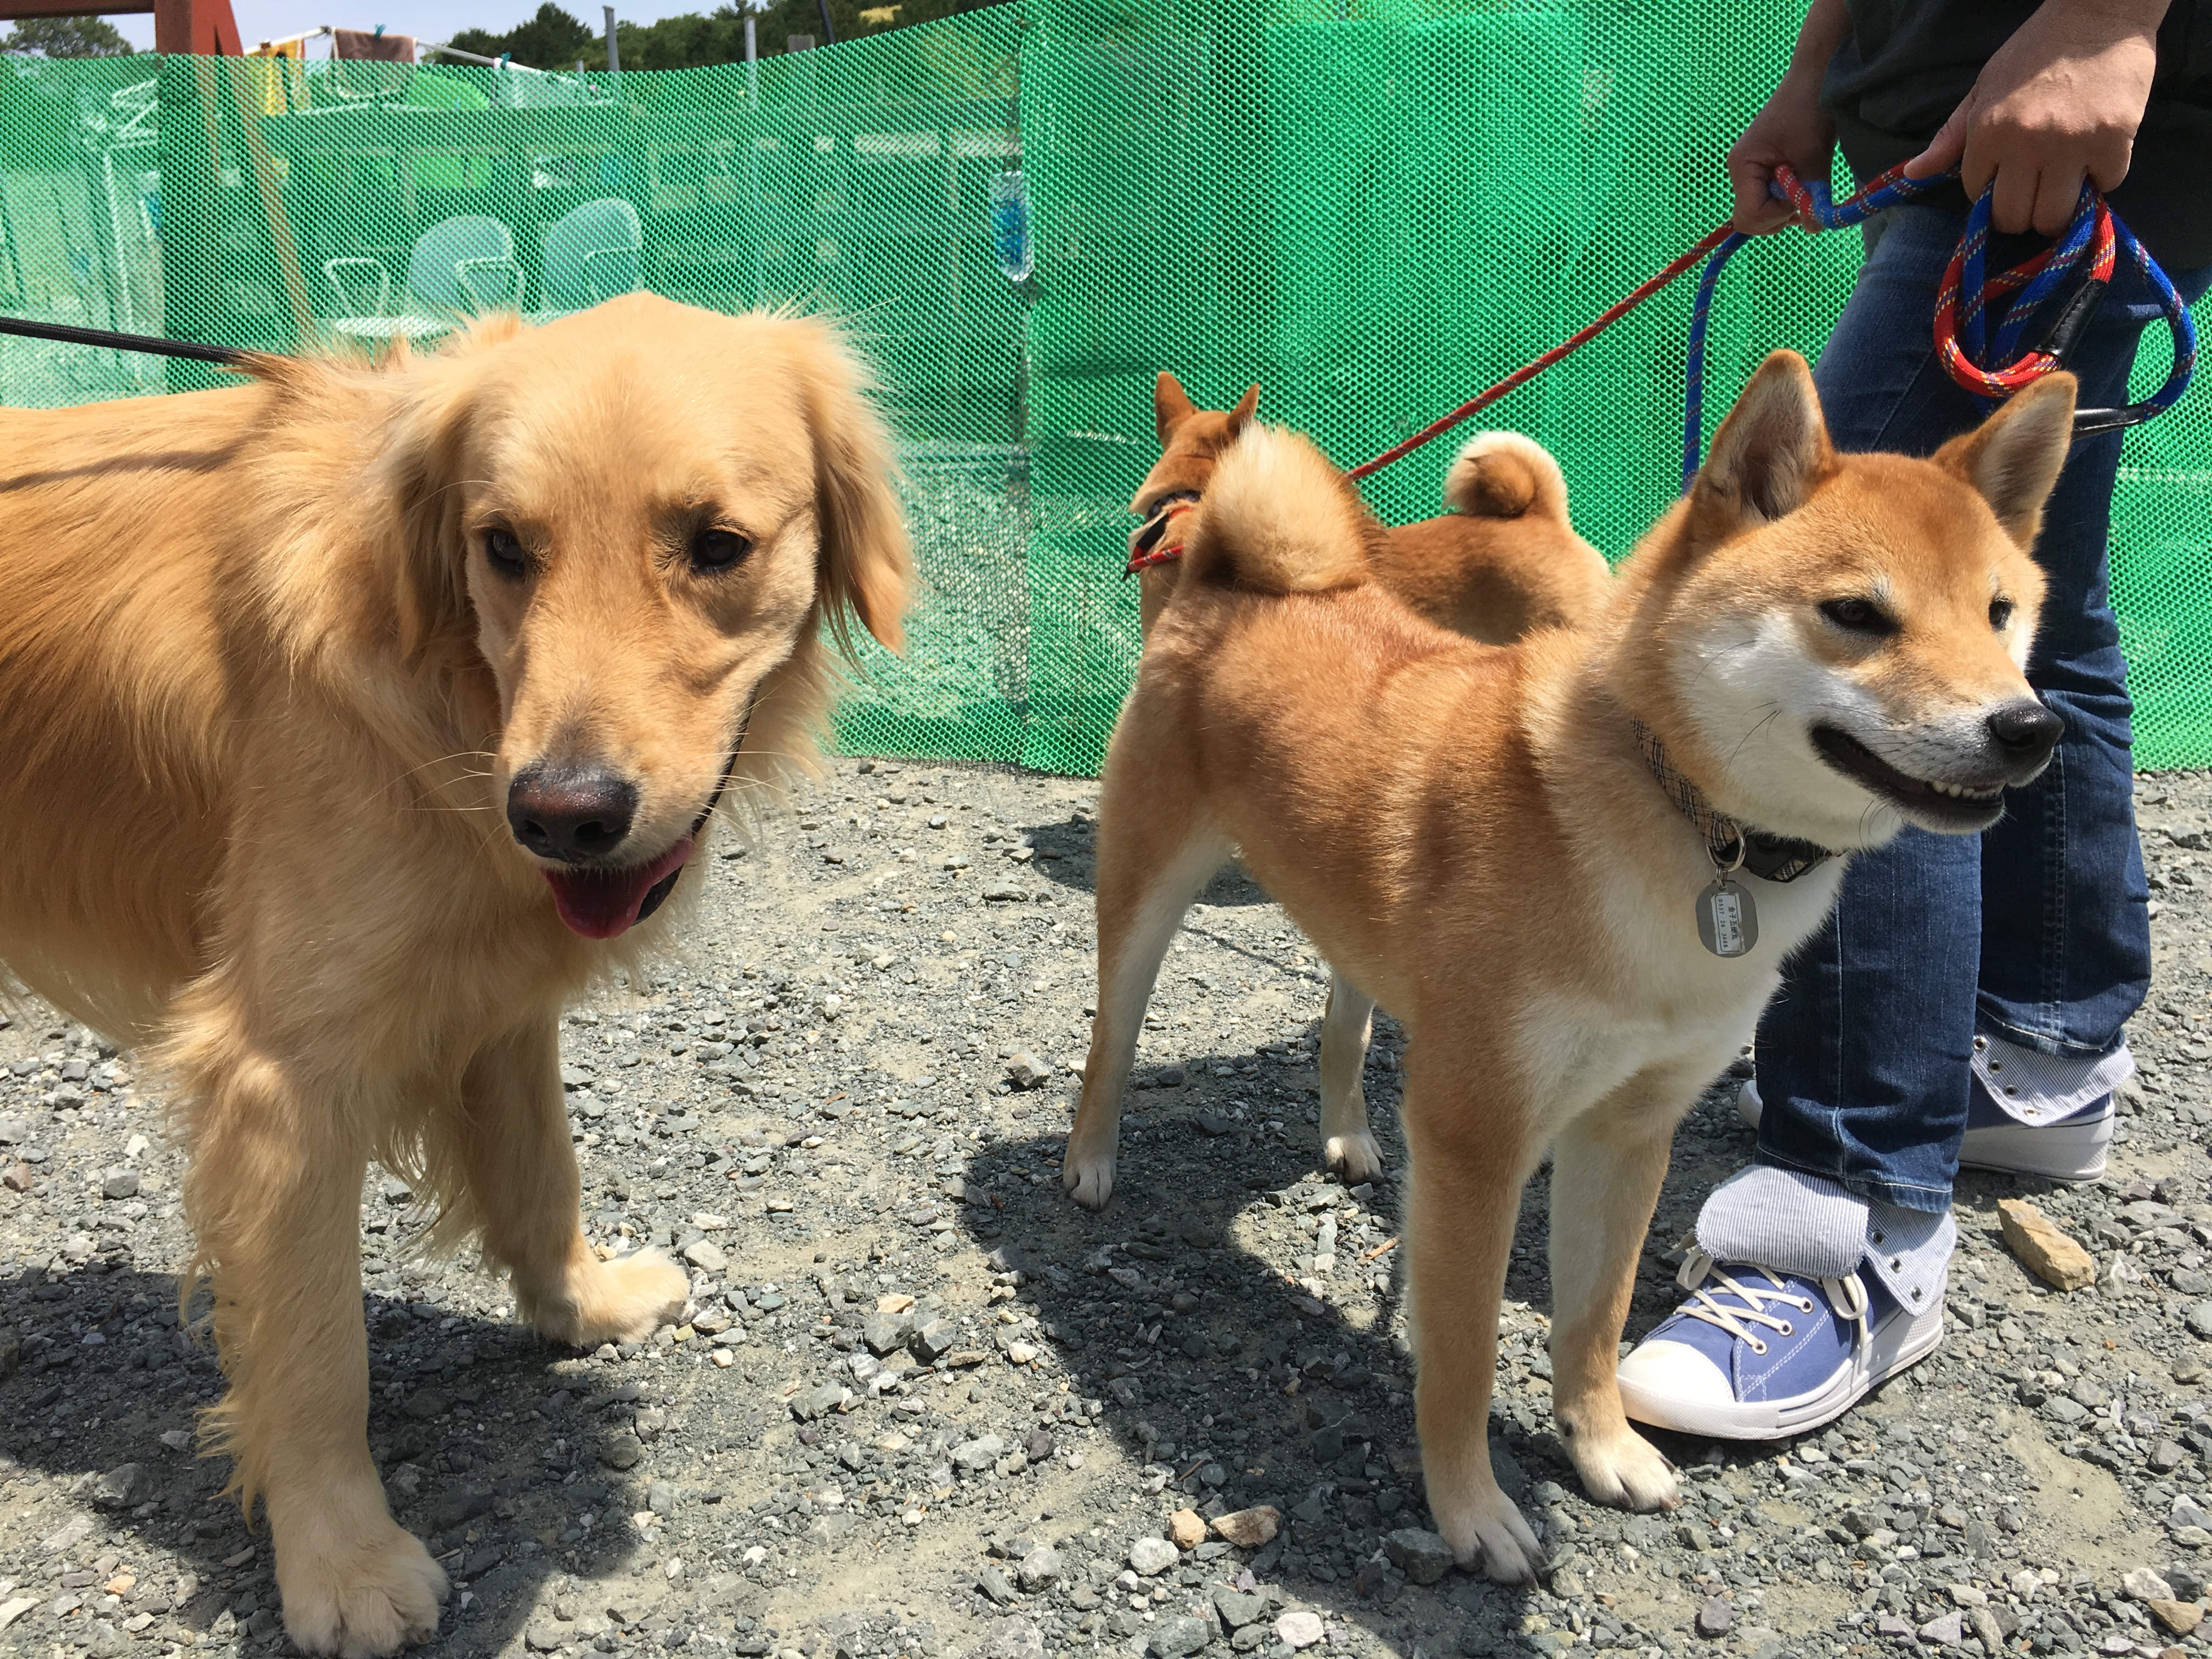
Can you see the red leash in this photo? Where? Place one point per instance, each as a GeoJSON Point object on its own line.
{"type": "Point", "coordinates": [1580, 338]}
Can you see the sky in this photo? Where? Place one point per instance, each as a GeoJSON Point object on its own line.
{"type": "Point", "coordinates": [426, 20]}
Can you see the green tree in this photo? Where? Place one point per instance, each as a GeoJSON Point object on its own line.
{"type": "Point", "coordinates": [552, 40]}
{"type": "Point", "coordinates": [66, 37]}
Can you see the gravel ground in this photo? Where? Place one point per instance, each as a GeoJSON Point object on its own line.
{"type": "Point", "coordinates": [818, 1107]}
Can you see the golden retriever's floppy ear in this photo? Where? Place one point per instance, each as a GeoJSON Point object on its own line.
{"type": "Point", "coordinates": [1171, 406]}
{"type": "Point", "coordinates": [2012, 459]}
{"type": "Point", "coordinates": [865, 565]}
{"type": "Point", "coordinates": [1771, 452]}
{"type": "Point", "coordinates": [415, 482]}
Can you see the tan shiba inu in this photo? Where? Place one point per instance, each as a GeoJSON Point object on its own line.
{"type": "Point", "coordinates": [1504, 562]}
{"type": "Point", "coordinates": [1522, 850]}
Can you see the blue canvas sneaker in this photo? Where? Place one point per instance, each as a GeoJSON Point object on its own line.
{"type": "Point", "coordinates": [1756, 1354]}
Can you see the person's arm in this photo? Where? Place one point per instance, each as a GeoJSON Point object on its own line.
{"type": "Point", "coordinates": [1791, 128]}
{"type": "Point", "coordinates": [2057, 102]}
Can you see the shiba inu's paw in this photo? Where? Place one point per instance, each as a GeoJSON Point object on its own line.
{"type": "Point", "coordinates": [624, 1300]}
{"type": "Point", "coordinates": [1355, 1157]}
{"type": "Point", "coordinates": [359, 1600]}
{"type": "Point", "coordinates": [1487, 1531]}
{"type": "Point", "coordinates": [1626, 1470]}
{"type": "Point", "coordinates": [1089, 1176]}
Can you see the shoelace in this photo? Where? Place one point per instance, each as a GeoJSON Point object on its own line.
{"type": "Point", "coordinates": [1846, 1296]}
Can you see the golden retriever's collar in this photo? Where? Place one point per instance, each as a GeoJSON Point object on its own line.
{"type": "Point", "coordinates": [1730, 845]}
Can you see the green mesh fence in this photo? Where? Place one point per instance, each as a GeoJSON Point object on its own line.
{"type": "Point", "coordinates": [1370, 207]}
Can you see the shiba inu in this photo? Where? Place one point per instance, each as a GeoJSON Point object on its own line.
{"type": "Point", "coordinates": [1504, 562]}
{"type": "Point", "coordinates": [1571, 866]}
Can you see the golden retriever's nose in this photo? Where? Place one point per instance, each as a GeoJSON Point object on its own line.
{"type": "Point", "coordinates": [2025, 730]}
{"type": "Point", "coordinates": [569, 814]}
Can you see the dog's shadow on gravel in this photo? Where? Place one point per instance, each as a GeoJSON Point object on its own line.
{"type": "Point", "coordinates": [1228, 1382]}
{"type": "Point", "coordinates": [102, 1402]}
{"type": "Point", "coordinates": [1064, 854]}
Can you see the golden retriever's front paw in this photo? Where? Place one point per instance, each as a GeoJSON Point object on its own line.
{"type": "Point", "coordinates": [362, 1602]}
{"type": "Point", "coordinates": [1088, 1176]}
{"type": "Point", "coordinates": [624, 1300]}
{"type": "Point", "coordinates": [1626, 1470]}
{"type": "Point", "coordinates": [1356, 1156]}
{"type": "Point", "coordinates": [1487, 1534]}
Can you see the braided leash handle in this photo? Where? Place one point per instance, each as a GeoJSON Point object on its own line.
{"type": "Point", "coordinates": [1992, 369]}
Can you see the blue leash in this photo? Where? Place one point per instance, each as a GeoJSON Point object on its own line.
{"type": "Point", "coordinates": [2094, 241]}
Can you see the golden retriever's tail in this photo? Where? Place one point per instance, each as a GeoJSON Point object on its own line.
{"type": "Point", "coordinates": [1504, 475]}
{"type": "Point", "coordinates": [1278, 517]}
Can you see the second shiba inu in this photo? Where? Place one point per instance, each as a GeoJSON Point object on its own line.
{"type": "Point", "coordinates": [1571, 867]}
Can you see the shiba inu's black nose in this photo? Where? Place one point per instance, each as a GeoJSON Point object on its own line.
{"type": "Point", "coordinates": [2026, 730]}
{"type": "Point", "coordinates": [559, 812]}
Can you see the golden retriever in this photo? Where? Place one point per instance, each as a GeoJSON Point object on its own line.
{"type": "Point", "coordinates": [355, 718]}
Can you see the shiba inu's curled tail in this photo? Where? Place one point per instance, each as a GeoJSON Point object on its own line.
{"type": "Point", "coordinates": [1504, 475]}
{"type": "Point", "coordinates": [1281, 518]}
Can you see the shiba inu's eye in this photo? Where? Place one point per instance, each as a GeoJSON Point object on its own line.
{"type": "Point", "coordinates": [1999, 613]}
{"type": "Point", "coordinates": [1858, 616]}
{"type": "Point", "coordinates": [503, 552]}
{"type": "Point", "coordinates": [719, 550]}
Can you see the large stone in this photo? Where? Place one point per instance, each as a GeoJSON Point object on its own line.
{"type": "Point", "coordinates": [934, 1338]}
{"type": "Point", "coordinates": [1014, 1639]}
{"type": "Point", "coordinates": [1039, 1568]}
{"type": "Point", "coordinates": [974, 1457]}
{"type": "Point", "coordinates": [2144, 1585]}
{"type": "Point", "coordinates": [2179, 1617]}
{"type": "Point", "coordinates": [707, 1256]}
{"type": "Point", "coordinates": [1422, 1556]}
{"type": "Point", "coordinates": [820, 1401]}
{"type": "Point", "coordinates": [886, 1333]}
{"type": "Point", "coordinates": [1177, 1637]}
{"type": "Point", "coordinates": [2048, 1254]}
{"type": "Point", "coordinates": [623, 1451]}
{"type": "Point", "coordinates": [1186, 1529]}
{"type": "Point", "coordinates": [1948, 1631]}
{"type": "Point", "coordinates": [992, 1582]}
{"type": "Point", "coordinates": [2199, 1320]}
{"type": "Point", "coordinates": [544, 1636]}
{"type": "Point", "coordinates": [1299, 1628]}
{"type": "Point", "coordinates": [1250, 1529]}
{"type": "Point", "coordinates": [1153, 1556]}
{"type": "Point", "coordinates": [1027, 1070]}
{"type": "Point", "coordinates": [1237, 1608]}
{"type": "Point", "coordinates": [120, 1488]}
{"type": "Point", "coordinates": [1715, 1617]}
{"type": "Point", "coordinates": [119, 1183]}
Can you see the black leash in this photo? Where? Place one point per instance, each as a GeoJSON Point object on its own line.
{"type": "Point", "coordinates": [149, 345]}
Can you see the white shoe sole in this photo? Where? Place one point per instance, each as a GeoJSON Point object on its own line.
{"type": "Point", "coordinates": [1904, 1339]}
{"type": "Point", "coordinates": [2072, 1151]}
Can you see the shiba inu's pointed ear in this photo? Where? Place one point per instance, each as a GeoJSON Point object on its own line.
{"type": "Point", "coordinates": [1171, 404]}
{"type": "Point", "coordinates": [1241, 416]}
{"type": "Point", "coordinates": [2013, 457]}
{"type": "Point", "coordinates": [1772, 451]}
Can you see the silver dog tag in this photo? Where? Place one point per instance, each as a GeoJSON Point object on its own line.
{"type": "Point", "coordinates": [1728, 920]}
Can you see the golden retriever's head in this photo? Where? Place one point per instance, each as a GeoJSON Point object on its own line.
{"type": "Point", "coordinates": [641, 518]}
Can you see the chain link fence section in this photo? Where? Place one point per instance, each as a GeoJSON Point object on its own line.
{"type": "Point", "coordinates": [1370, 208]}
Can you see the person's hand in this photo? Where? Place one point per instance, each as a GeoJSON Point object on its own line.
{"type": "Point", "coordinates": [1791, 130]}
{"type": "Point", "coordinates": [2057, 102]}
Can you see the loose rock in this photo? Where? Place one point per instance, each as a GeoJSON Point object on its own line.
{"type": "Point", "coordinates": [2048, 1253]}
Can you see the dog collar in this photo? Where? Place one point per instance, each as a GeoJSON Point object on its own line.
{"type": "Point", "coordinates": [1730, 844]}
{"type": "Point", "coordinates": [1149, 544]}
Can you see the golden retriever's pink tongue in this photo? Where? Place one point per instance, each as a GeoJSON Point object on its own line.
{"type": "Point", "coordinates": [602, 903]}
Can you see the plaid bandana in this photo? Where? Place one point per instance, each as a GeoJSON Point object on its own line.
{"type": "Point", "coordinates": [1769, 857]}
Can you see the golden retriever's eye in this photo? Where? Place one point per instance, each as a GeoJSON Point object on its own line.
{"type": "Point", "coordinates": [1858, 616]}
{"type": "Point", "coordinates": [719, 550]}
{"type": "Point", "coordinates": [1999, 613]}
{"type": "Point", "coordinates": [503, 552]}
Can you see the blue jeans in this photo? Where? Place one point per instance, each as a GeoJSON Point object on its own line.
{"type": "Point", "coordinates": [2035, 931]}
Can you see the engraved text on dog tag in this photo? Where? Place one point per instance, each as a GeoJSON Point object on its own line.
{"type": "Point", "coordinates": [1728, 920]}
